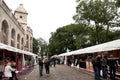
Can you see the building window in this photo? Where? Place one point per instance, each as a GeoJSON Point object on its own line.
{"type": "Point", "coordinates": [22, 42]}
{"type": "Point", "coordinates": [18, 41]}
{"type": "Point", "coordinates": [31, 43]}
{"type": "Point", "coordinates": [13, 37]}
{"type": "Point", "coordinates": [20, 16]}
{"type": "Point", "coordinates": [4, 32]}
{"type": "Point", "coordinates": [12, 43]}
{"type": "Point", "coordinates": [27, 41]}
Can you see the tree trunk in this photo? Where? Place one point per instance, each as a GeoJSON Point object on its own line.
{"type": "Point", "coordinates": [97, 34]}
{"type": "Point", "coordinates": [106, 38]}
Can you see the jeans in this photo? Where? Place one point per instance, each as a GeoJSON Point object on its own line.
{"type": "Point", "coordinates": [96, 73]}
{"type": "Point", "coordinates": [14, 75]}
{"type": "Point", "coordinates": [47, 70]}
{"type": "Point", "coordinates": [104, 72]}
{"type": "Point", "coordinates": [40, 70]}
{"type": "Point", "coordinates": [112, 73]}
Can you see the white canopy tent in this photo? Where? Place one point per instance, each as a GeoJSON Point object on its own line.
{"type": "Point", "coordinates": [19, 51]}
{"type": "Point", "coordinates": [7, 47]}
{"type": "Point", "coordinates": [108, 46]}
{"type": "Point", "coordinates": [13, 49]}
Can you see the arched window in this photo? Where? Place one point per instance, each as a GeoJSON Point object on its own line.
{"type": "Point", "coordinates": [4, 32]}
{"type": "Point", "coordinates": [27, 42]}
{"type": "Point", "coordinates": [31, 40]}
{"type": "Point", "coordinates": [13, 37]}
{"type": "Point", "coordinates": [22, 43]}
{"type": "Point", "coordinates": [18, 41]}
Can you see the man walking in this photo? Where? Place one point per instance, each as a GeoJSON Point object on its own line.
{"type": "Point", "coordinates": [41, 67]}
{"type": "Point", "coordinates": [96, 67]}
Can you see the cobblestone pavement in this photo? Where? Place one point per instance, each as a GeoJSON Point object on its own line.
{"type": "Point", "coordinates": [60, 72]}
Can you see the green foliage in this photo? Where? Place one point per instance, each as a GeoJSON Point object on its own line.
{"type": "Point", "coordinates": [35, 46]}
{"type": "Point", "coordinates": [42, 46]}
{"type": "Point", "coordinates": [100, 12]}
{"type": "Point", "coordinates": [68, 37]}
{"type": "Point", "coordinates": [113, 35]}
{"type": "Point", "coordinates": [77, 36]}
{"type": "Point", "coordinates": [117, 3]}
{"type": "Point", "coordinates": [39, 46]}
{"type": "Point", "coordinates": [93, 20]}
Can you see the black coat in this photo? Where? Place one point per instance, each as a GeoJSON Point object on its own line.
{"type": "Point", "coordinates": [41, 63]}
{"type": "Point", "coordinates": [47, 64]}
{"type": "Point", "coordinates": [112, 63]}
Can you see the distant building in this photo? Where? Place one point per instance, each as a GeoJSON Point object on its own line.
{"type": "Point", "coordinates": [13, 27]}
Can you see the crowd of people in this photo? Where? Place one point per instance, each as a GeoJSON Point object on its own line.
{"type": "Point", "coordinates": [46, 62]}
{"type": "Point", "coordinates": [9, 67]}
{"type": "Point", "coordinates": [104, 65]}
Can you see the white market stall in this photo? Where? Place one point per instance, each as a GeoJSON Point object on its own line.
{"type": "Point", "coordinates": [19, 55]}
{"type": "Point", "coordinates": [112, 47]}
{"type": "Point", "coordinates": [108, 46]}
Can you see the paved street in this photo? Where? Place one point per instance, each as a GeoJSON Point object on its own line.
{"type": "Point", "coordinates": [60, 72]}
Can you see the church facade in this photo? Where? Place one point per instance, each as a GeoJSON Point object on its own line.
{"type": "Point", "coordinates": [14, 30]}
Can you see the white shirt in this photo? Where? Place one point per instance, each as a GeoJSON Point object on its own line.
{"type": "Point", "coordinates": [8, 71]}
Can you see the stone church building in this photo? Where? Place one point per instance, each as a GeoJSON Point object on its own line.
{"type": "Point", "coordinates": [13, 27]}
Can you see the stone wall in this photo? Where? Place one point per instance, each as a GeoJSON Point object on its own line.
{"type": "Point", "coordinates": [11, 31]}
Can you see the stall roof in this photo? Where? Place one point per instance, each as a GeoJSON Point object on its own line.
{"type": "Point", "coordinates": [108, 46]}
{"type": "Point", "coordinates": [7, 47]}
{"type": "Point", "coordinates": [13, 49]}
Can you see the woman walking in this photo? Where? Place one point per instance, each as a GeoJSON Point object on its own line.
{"type": "Point", "coordinates": [47, 65]}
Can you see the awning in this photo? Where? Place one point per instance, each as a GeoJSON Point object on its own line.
{"type": "Point", "coordinates": [13, 49]}
{"type": "Point", "coordinates": [108, 46]}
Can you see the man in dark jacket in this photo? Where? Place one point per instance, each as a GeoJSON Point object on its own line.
{"type": "Point", "coordinates": [96, 67]}
{"type": "Point", "coordinates": [112, 67]}
{"type": "Point", "coordinates": [41, 67]}
{"type": "Point", "coordinates": [13, 65]}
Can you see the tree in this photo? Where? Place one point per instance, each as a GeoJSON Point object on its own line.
{"type": "Point", "coordinates": [42, 44]}
{"type": "Point", "coordinates": [35, 46]}
{"type": "Point", "coordinates": [117, 3]}
{"type": "Point", "coordinates": [76, 36]}
{"type": "Point", "coordinates": [67, 37]}
{"type": "Point", "coordinates": [100, 12]}
{"type": "Point", "coordinates": [39, 46]}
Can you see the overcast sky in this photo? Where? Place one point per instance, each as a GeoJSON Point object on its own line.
{"type": "Point", "coordinates": [45, 16]}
